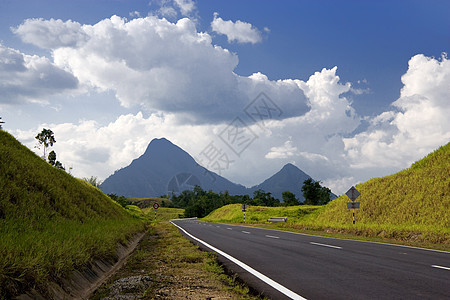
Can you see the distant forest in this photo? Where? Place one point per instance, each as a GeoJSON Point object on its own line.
{"type": "Point", "coordinates": [199, 203]}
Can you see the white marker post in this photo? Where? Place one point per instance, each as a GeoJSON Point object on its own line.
{"type": "Point", "coordinates": [155, 208]}
{"type": "Point", "coordinates": [353, 193]}
{"type": "Point", "coordinates": [244, 209]}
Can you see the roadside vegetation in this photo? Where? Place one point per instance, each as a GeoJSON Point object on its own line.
{"type": "Point", "coordinates": [199, 203]}
{"type": "Point", "coordinates": [166, 265]}
{"type": "Point", "coordinates": [51, 222]}
{"type": "Point", "coordinates": [411, 206]}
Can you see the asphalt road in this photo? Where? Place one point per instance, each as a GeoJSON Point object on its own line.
{"type": "Point", "coordinates": [296, 266]}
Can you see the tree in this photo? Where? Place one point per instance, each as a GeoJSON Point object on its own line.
{"type": "Point", "coordinates": [289, 199]}
{"type": "Point", "coordinates": [59, 165]}
{"type": "Point", "coordinates": [314, 193]}
{"type": "Point", "coordinates": [123, 201]}
{"type": "Point", "coordinates": [93, 181]}
{"type": "Point", "coordinates": [52, 160]}
{"type": "Point", "coordinates": [46, 138]}
{"type": "Point", "coordinates": [261, 198]}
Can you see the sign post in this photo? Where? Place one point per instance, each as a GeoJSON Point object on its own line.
{"type": "Point", "coordinates": [353, 193]}
{"type": "Point", "coordinates": [244, 209]}
{"type": "Point", "coordinates": [155, 208]}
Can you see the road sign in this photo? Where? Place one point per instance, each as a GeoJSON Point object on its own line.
{"type": "Point", "coordinates": [155, 205]}
{"type": "Point", "coordinates": [353, 193]}
{"type": "Point", "coordinates": [244, 207]}
{"type": "Point", "coordinates": [353, 205]}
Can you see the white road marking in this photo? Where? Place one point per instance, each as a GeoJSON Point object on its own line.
{"type": "Point", "coordinates": [246, 232]}
{"type": "Point", "coordinates": [325, 245]}
{"type": "Point", "coordinates": [249, 269]}
{"type": "Point", "coordinates": [230, 228]}
{"type": "Point", "coordinates": [272, 236]}
{"type": "Point", "coordinates": [441, 267]}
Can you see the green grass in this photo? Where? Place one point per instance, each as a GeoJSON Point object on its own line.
{"type": "Point", "coordinates": [51, 222]}
{"type": "Point", "coordinates": [163, 213]}
{"type": "Point", "coordinates": [258, 214]}
{"type": "Point", "coordinates": [410, 206]}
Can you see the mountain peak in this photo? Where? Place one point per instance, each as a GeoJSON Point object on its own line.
{"type": "Point", "coordinates": [289, 166]}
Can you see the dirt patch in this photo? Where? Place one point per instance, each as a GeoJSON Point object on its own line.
{"type": "Point", "coordinates": [165, 265]}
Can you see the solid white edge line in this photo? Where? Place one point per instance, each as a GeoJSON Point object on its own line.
{"type": "Point", "coordinates": [441, 267]}
{"type": "Point", "coordinates": [249, 269]}
{"type": "Point", "coordinates": [325, 245]}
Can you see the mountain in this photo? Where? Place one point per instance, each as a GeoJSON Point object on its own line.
{"type": "Point", "coordinates": [289, 178]}
{"type": "Point", "coordinates": [165, 168]}
{"type": "Point", "coordinates": [162, 169]}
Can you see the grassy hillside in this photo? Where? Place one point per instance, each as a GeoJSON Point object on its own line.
{"type": "Point", "coordinates": [415, 198]}
{"type": "Point", "coordinates": [413, 204]}
{"type": "Point", "coordinates": [51, 222]}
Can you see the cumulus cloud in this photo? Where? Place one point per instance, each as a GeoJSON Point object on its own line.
{"type": "Point", "coordinates": [239, 31]}
{"type": "Point", "coordinates": [285, 151]}
{"type": "Point", "coordinates": [160, 66]}
{"type": "Point", "coordinates": [418, 123]}
{"type": "Point", "coordinates": [30, 78]}
{"type": "Point", "coordinates": [186, 6]}
{"type": "Point", "coordinates": [172, 8]}
{"type": "Point", "coordinates": [50, 34]}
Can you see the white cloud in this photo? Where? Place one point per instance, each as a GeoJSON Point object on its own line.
{"type": "Point", "coordinates": [160, 66]}
{"type": "Point", "coordinates": [171, 8]}
{"type": "Point", "coordinates": [51, 33]}
{"type": "Point", "coordinates": [419, 125]}
{"type": "Point", "coordinates": [285, 151]}
{"type": "Point", "coordinates": [135, 14]}
{"type": "Point", "coordinates": [239, 31]}
{"type": "Point", "coordinates": [30, 78]}
{"type": "Point", "coordinates": [186, 6]}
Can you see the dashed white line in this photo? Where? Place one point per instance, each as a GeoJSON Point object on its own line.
{"type": "Point", "coordinates": [441, 267]}
{"type": "Point", "coordinates": [246, 232]}
{"type": "Point", "coordinates": [325, 245]}
{"type": "Point", "coordinates": [230, 228]}
{"type": "Point", "coordinates": [272, 236]}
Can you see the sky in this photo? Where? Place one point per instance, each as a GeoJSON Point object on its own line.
{"type": "Point", "coordinates": [344, 90]}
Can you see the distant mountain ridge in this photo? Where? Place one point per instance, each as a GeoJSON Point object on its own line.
{"type": "Point", "coordinates": [289, 178]}
{"type": "Point", "coordinates": [165, 168]}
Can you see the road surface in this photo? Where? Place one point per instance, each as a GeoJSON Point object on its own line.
{"type": "Point", "coordinates": [285, 265]}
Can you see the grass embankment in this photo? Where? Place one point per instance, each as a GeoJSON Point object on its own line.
{"type": "Point", "coordinates": [51, 222]}
{"type": "Point", "coordinates": [166, 265]}
{"type": "Point", "coordinates": [163, 213]}
{"type": "Point", "coordinates": [410, 206]}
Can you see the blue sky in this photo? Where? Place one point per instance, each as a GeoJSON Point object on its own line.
{"type": "Point", "coordinates": [117, 82]}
